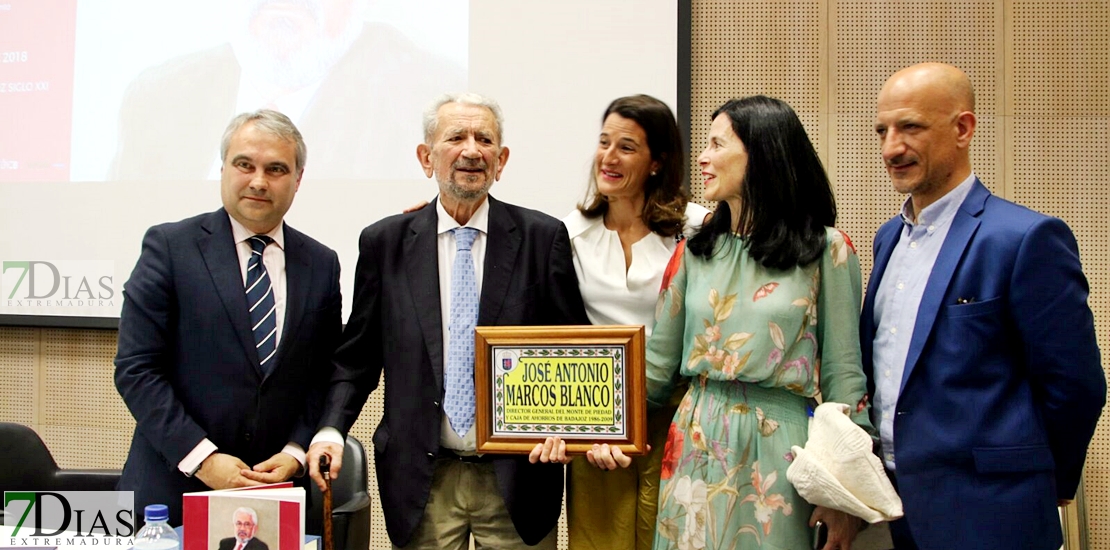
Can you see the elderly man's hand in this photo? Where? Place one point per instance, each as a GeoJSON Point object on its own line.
{"type": "Point", "coordinates": [335, 455]}
{"type": "Point", "coordinates": [223, 471]}
{"type": "Point", "coordinates": [553, 449]}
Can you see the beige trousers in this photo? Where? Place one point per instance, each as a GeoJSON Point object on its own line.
{"type": "Point", "coordinates": [465, 502]}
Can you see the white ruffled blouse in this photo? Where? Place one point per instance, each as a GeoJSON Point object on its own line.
{"type": "Point", "coordinates": [612, 295]}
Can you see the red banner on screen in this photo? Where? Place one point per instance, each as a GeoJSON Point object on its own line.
{"type": "Point", "coordinates": [36, 88]}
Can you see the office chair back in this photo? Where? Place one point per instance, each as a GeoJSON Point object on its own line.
{"type": "Point", "coordinates": [350, 501]}
{"type": "Point", "coordinates": [27, 465]}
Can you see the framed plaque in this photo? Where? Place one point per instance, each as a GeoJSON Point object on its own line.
{"type": "Point", "coordinates": [584, 384]}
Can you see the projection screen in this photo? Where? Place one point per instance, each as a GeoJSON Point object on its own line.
{"type": "Point", "coordinates": [113, 112]}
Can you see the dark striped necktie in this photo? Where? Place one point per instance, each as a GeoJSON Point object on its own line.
{"type": "Point", "coordinates": [260, 300]}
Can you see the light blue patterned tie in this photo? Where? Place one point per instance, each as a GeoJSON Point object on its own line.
{"type": "Point", "coordinates": [458, 376]}
{"type": "Point", "coordinates": [260, 300]}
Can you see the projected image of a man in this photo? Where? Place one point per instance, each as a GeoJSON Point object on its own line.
{"type": "Point", "coordinates": [350, 84]}
{"type": "Point", "coordinates": [285, 45]}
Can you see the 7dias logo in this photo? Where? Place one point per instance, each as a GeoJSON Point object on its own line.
{"type": "Point", "coordinates": [37, 284]}
{"type": "Point", "coordinates": [69, 518]}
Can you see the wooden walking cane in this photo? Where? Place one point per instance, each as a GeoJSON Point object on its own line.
{"type": "Point", "coordinates": [325, 472]}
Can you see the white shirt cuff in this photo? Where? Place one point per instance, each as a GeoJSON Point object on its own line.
{"type": "Point", "coordinates": [294, 450]}
{"type": "Point", "coordinates": [328, 434]}
{"type": "Point", "coordinates": [192, 461]}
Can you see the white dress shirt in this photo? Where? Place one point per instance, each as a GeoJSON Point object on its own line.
{"type": "Point", "coordinates": [898, 298]}
{"type": "Point", "coordinates": [612, 294]}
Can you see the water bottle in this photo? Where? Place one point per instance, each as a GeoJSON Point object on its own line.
{"type": "Point", "coordinates": [157, 534]}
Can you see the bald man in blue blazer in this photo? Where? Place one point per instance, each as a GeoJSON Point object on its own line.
{"type": "Point", "coordinates": [977, 339]}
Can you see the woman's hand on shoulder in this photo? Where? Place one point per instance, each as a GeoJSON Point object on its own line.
{"type": "Point", "coordinates": [416, 207]}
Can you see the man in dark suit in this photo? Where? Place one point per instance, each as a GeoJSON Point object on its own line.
{"type": "Point", "coordinates": [245, 521]}
{"type": "Point", "coordinates": [316, 61]}
{"type": "Point", "coordinates": [977, 339]}
{"type": "Point", "coordinates": [228, 325]}
{"type": "Point", "coordinates": [416, 303]}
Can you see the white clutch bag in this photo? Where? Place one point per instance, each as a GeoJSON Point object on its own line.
{"type": "Point", "coordinates": [838, 470]}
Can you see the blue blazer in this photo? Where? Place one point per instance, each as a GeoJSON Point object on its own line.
{"type": "Point", "coordinates": [186, 364]}
{"type": "Point", "coordinates": [1000, 396]}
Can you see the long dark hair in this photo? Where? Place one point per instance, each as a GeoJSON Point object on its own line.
{"type": "Point", "coordinates": [786, 198]}
{"type": "Point", "coordinates": [664, 197]}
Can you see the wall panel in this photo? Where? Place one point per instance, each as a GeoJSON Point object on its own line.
{"type": "Point", "coordinates": [364, 430]}
{"type": "Point", "coordinates": [1058, 107]}
{"type": "Point", "coordinates": [18, 385]}
{"type": "Point", "coordinates": [1058, 58]}
{"type": "Point", "coordinates": [85, 421]}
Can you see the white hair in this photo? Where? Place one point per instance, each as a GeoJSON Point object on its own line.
{"type": "Point", "coordinates": [431, 114]}
{"type": "Point", "coordinates": [245, 510]}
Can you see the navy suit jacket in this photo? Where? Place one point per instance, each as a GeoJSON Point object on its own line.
{"type": "Point", "coordinates": [1000, 396]}
{"type": "Point", "coordinates": [186, 364]}
{"type": "Point", "coordinates": [395, 326]}
{"type": "Point", "coordinates": [253, 544]}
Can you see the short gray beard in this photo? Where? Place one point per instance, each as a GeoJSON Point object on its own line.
{"type": "Point", "coordinates": [466, 195]}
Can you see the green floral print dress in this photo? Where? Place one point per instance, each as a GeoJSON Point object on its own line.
{"type": "Point", "coordinates": [757, 345]}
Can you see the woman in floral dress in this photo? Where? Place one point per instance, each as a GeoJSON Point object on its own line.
{"type": "Point", "coordinates": [760, 311]}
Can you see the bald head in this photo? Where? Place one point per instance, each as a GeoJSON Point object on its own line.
{"type": "Point", "coordinates": [947, 84]}
{"type": "Point", "coordinates": [925, 120]}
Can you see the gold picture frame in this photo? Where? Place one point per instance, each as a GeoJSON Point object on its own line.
{"type": "Point", "coordinates": [584, 384]}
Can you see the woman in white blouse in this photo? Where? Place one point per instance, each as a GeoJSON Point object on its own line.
{"type": "Point", "coordinates": [622, 236]}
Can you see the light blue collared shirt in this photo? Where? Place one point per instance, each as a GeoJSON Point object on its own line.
{"type": "Point", "coordinates": [898, 297]}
